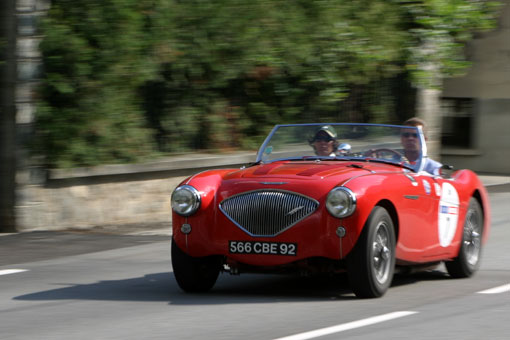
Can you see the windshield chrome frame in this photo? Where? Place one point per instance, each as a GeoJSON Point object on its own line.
{"type": "Point", "coordinates": [260, 153]}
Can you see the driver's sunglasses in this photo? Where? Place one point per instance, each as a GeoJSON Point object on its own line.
{"type": "Point", "coordinates": [323, 139]}
{"type": "Point", "coordinates": [409, 134]}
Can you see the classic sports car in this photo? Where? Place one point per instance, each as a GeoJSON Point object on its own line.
{"type": "Point", "coordinates": [356, 198]}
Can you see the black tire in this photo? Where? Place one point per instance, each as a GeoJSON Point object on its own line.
{"type": "Point", "coordinates": [195, 274]}
{"type": "Point", "coordinates": [468, 260]}
{"type": "Point", "coordinates": [371, 264]}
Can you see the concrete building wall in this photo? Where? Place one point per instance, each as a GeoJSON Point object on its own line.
{"type": "Point", "coordinates": [488, 84]}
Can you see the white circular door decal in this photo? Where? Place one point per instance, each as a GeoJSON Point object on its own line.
{"type": "Point", "coordinates": [448, 214]}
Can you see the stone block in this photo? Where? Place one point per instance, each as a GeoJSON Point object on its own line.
{"type": "Point", "coordinates": [28, 47]}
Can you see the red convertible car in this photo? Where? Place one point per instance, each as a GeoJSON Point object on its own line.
{"type": "Point", "coordinates": [358, 198]}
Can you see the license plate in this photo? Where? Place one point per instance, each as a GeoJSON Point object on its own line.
{"type": "Point", "coordinates": [265, 248]}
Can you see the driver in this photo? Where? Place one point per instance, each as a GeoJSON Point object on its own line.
{"type": "Point", "coordinates": [412, 146]}
{"type": "Point", "coordinates": [324, 141]}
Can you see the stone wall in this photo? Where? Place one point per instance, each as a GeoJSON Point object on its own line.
{"type": "Point", "coordinates": [86, 205]}
{"type": "Point", "coordinates": [28, 14]}
{"type": "Point", "coordinates": [112, 195]}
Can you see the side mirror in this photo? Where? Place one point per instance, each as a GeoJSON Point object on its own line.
{"type": "Point", "coordinates": [446, 171]}
{"type": "Point", "coordinates": [343, 149]}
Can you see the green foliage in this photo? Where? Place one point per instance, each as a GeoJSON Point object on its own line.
{"type": "Point", "coordinates": [95, 59]}
{"type": "Point", "coordinates": [126, 79]}
{"type": "Point", "coordinates": [439, 30]}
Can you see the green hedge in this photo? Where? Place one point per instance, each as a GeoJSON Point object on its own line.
{"type": "Point", "coordinates": [127, 80]}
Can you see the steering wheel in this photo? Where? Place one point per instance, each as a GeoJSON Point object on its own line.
{"type": "Point", "coordinates": [383, 153]}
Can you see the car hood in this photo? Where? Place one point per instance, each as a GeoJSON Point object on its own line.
{"type": "Point", "coordinates": [312, 169]}
{"type": "Point", "coordinates": [307, 177]}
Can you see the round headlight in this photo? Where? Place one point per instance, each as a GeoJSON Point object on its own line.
{"type": "Point", "coordinates": [341, 202]}
{"type": "Point", "coordinates": [185, 200]}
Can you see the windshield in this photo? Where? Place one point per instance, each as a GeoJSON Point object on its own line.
{"type": "Point", "coordinates": [402, 145]}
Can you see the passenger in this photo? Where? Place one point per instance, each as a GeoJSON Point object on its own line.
{"type": "Point", "coordinates": [324, 141]}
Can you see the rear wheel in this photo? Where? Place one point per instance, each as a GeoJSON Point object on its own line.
{"type": "Point", "coordinates": [468, 260]}
{"type": "Point", "coordinates": [195, 274]}
{"type": "Point", "coordinates": [371, 264]}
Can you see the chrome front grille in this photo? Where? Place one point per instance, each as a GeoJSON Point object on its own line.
{"type": "Point", "coordinates": [267, 212]}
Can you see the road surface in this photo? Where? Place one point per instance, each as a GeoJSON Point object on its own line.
{"type": "Point", "coordinates": [56, 285]}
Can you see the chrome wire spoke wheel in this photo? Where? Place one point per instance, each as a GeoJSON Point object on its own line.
{"type": "Point", "coordinates": [371, 264]}
{"type": "Point", "coordinates": [468, 259]}
{"type": "Point", "coordinates": [381, 253]}
{"type": "Point", "coordinates": [472, 237]}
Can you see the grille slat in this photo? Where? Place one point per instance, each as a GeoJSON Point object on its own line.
{"type": "Point", "coordinates": [267, 212]}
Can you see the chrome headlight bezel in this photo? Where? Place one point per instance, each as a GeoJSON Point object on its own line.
{"type": "Point", "coordinates": [185, 200]}
{"type": "Point", "coordinates": [341, 202]}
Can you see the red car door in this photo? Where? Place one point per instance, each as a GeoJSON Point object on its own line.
{"type": "Point", "coordinates": [445, 219]}
{"type": "Point", "coordinates": [418, 224]}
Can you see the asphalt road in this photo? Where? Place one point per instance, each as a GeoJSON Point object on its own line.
{"type": "Point", "coordinates": [56, 285]}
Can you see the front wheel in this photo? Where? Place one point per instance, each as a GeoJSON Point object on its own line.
{"type": "Point", "coordinates": [371, 264]}
{"type": "Point", "coordinates": [195, 274]}
{"type": "Point", "coordinates": [468, 259]}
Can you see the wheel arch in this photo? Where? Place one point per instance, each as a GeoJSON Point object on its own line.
{"type": "Point", "coordinates": [392, 210]}
{"type": "Point", "coordinates": [478, 196]}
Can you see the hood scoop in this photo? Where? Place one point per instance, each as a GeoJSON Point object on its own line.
{"type": "Point", "coordinates": [314, 170]}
